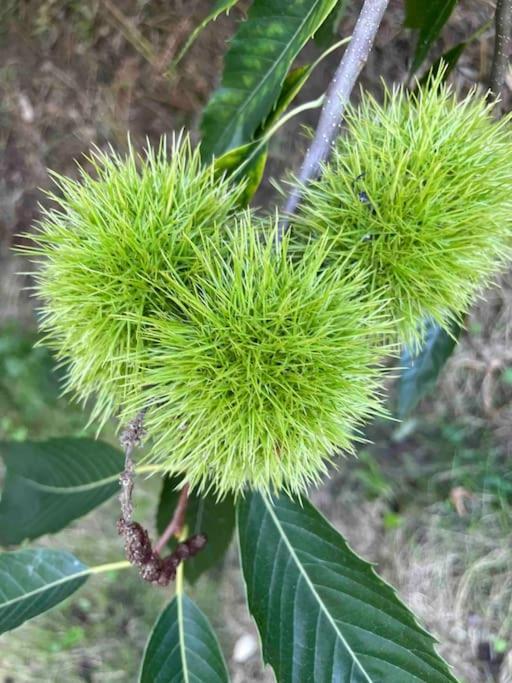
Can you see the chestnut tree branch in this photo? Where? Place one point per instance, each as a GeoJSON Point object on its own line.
{"type": "Point", "coordinates": [502, 43]}
{"type": "Point", "coordinates": [131, 438]}
{"type": "Point", "coordinates": [338, 95]}
{"type": "Point", "coordinates": [138, 548]}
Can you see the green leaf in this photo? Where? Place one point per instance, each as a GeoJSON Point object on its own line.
{"type": "Point", "coordinates": [248, 161]}
{"type": "Point", "coordinates": [416, 13]}
{"type": "Point", "coordinates": [322, 612]}
{"type": "Point", "coordinates": [51, 483]}
{"type": "Point", "coordinates": [218, 8]}
{"type": "Point", "coordinates": [292, 85]}
{"type": "Point", "coordinates": [183, 648]}
{"type": "Point", "coordinates": [327, 33]}
{"type": "Point", "coordinates": [446, 63]}
{"type": "Point", "coordinates": [421, 370]}
{"type": "Point", "coordinates": [34, 581]}
{"type": "Point", "coordinates": [204, 515]}
{"type": "Point", "coordinates": [256, 64]}
{"type": "Point", "coordinates": [429, 18]}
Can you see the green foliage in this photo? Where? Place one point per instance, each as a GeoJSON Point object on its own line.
{"type": "Point", "coordinates": [269, 369]}
{"type": "Point", "coordinates": [205, 515]}
{"type": "Point", "coordinates": [248, 160]}
{"type": "Point", "coordinates": [34, 581]}
{"type": "Point", "coordinates": [342, 621]}
{"type": "Point", "coordinates": [419, 191]}
{"type": "Point", "coordinates": [103, 251]}
{"type": "Point", "coordinates": [328, 32]}
{"type": "Point", "coordinates": [183, 647]}
{"type": "Point", "coordinates": [51, 483]}
{"type": "Point", "coordinates": [421, 370]}
{"type": "Point", "coordinates": [258, 60]}
{"type": "Point", "coordinates": [444, 64]}
{"type": "Point", "coordinates": [429, 18]}
{"type": "Point", "coordinates": [28, 387]}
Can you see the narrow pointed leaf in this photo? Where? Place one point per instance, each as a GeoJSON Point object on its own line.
{"type": "Point", "coordinates": [322, 612]}
{"type": "Point", "coordinates": [328, 32]}
{"type": "Point", "coordinates": [34, 581]}
{"type": "Point", "coordinates": [260, 55]}
{"type": "Point", "coordinates": [182, 647]}
{"type": "Point", "coordinates": [204, 515]}
{"type": "Point", "coordinates": [445, 64]}
{"type": "Point", "coordinates": [218, 8]}
{"type": "Point", "coordinates": [248, 162]}
{"type": "Point", "coordinates": [416, 13]}
{"type": "Point", "coordinates": [51, 483]}
{"type": "Point", "coordinates": [430, 19]}
{"type": "Point", "coordinates": [420, 371]}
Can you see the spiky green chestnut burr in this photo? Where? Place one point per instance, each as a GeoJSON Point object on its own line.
{"type": "Point", "coordinates": [104, 249]}
{"type": "Point", "coordinates": [418, 191]}
{"type": "Point", "coordinates": [267, 371]}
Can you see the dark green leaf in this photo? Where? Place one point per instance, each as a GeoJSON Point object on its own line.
{"type": "Point", "coordinates": [322, 612]}
{"type": "Point", "coordinates": [51, 483]}
{"type": "Point", "coordinates": [422, 370]}
{"type": "Point", "coordinates": [256, 65]}
{"type": "Point", "coordinates": [446, 62]}
{"type": "Point", "coordinates": [430, 20]}
{"type": "Point", "coordinates": [248, 162]}
{"type": "Point", "coordinates": [34, 581]}
{"type": "Point", "coordinates": [183, 648]}
{"type": "Point", "coordinates": [449, 59]}
{"type": "Point", "coordinates": [204, 515]}
{"type": "Point", "coordinates": [291, 87]}
{"type": "Point", "coordinates": [327, 33]}
{"type": "Point", "coordinates": [416, 13]}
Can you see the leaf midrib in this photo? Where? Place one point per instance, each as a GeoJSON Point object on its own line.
{"type": "Point", "coordinates": [46, 587]}
{"type": "Point", "coordinates": [312, 588]}
{"type": "Point", "coordinates": [79, 488]}
{"type": "Point", "coordinates": [88, 571]}
{"type": "Point", "coordinates": [64, 490]}
{"type": "Point", "coordinates": [181, 632]}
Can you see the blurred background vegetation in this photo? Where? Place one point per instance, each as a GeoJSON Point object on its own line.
{"type": "Point", "coordinates": [429, 499]}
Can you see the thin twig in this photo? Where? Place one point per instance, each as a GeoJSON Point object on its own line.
{"type": "Point", "coordinates": [338, 95]}
{"type": "Point", "coordinates": [131, 32]}
{"type": "Point", "coordinates": [131, 438]}
{"type": "Point", "coordinates": [502, 42]}
{"type": "Point", "coordinates": [138, 548]}
{"type": "Point", "coordinates": [176, 524]}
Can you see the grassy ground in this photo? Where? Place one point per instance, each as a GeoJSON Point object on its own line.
{"type": "Point", "coordinates": [430, 501]}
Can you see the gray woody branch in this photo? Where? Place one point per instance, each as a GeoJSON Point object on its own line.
{"type": "Point", "coordinates": [503, 22]}
{"type": "Point", "coordinates": [338, 95]}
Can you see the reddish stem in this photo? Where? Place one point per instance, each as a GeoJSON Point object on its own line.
{"type": "Point", "coordinates": [175, 526]}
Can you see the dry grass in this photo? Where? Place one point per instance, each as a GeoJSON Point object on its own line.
{"type": "Point", "coordinates": [475, 384]}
